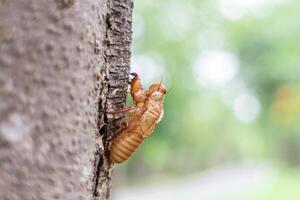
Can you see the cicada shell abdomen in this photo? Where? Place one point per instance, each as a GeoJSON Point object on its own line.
{"type": "Point", "coordinates": [129, 139]}
{"type": "Point", "coordinates": [124, 145]}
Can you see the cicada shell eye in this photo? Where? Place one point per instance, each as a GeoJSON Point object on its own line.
{"type": "Point", "coordinates": [157, 95]}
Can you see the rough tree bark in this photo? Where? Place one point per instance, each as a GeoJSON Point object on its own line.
{"type": "Point", "coordinates": [63, 63]}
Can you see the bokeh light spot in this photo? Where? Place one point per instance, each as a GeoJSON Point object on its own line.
{"type": "Point", "coordinates": [246, 107]}
{"type": "Point", "coordinates": [216, 67]}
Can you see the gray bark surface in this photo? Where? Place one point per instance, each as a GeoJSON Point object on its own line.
{"type": "Point", "coordinates": [63, 63]}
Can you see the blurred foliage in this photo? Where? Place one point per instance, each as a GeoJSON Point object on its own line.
{"type": "Point", "coordinates": [200, 128]}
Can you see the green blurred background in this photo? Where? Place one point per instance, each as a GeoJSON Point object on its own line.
{"type": "Point", "coordinates": [232, 68]}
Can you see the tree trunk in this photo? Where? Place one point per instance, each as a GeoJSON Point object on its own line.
{"type": "Point", "coordinates": [63, 64]}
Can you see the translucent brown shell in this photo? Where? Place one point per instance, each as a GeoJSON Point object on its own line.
{"type": "Point", "coordinates": [141, 121]}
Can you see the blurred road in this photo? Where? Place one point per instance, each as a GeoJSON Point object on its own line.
{"type": "Point", "coordinates": [229, 181]}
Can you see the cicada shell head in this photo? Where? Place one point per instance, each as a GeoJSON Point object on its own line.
{"type": "Point", "coordinates": [157, 91]}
